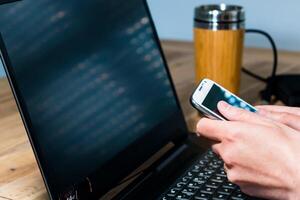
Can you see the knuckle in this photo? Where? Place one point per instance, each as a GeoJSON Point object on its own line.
{"type": "Point", "coordinates": [234, 135]}
{"type": "Point", "coordinates": [276, 128]}
{"type": "Point", "coordinates": [201, 123]}
{"type": "Point", "coordinates": [284, 117]}
{"type": "Point", "coordinates": [232, 177]}
{"type": "Point", "coordinates": [215, 149]}
{"type": "Point", "coordinates": [227, 158]}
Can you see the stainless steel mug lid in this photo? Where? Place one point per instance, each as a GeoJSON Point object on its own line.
{"type": "Point", "coordinates": [221, 13]}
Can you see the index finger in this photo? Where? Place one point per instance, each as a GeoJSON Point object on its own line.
{"type": "Point", "coordinates": [233, 113]}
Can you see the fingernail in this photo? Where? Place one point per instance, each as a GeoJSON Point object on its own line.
{"type": "Point", "coordinates": [223, 105]}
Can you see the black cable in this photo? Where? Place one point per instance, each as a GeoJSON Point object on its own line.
{"type": "Point", "coordinates": [246, 71]}
{"type": "Point", "coordinates": [275, 56]}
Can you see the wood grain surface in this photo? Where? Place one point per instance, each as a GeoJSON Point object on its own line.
{"type": "Point", "coordinates": [19, 174]}
{"type": "Point", "coordinates": [217, 51]}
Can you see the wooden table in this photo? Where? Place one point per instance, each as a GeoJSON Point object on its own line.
{"type": "Point", "coordinates": [19, 174]}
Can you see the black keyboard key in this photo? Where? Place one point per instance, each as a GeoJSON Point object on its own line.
{"type": "Point", "coordinates": [205, 174]}
{"type": "Point", "coordinates": [194, 185]}
{"type": "Point", "coordinates": [229, 185]}
{"type": "Point", "coordinates": [217, 178]}
{"type": "Point", "coordinates": [202, 178]}
{"type": "Point", "coordinates": [205, 180]}
{"type": "Point", "coordinates": [212, 184]}
{"type": "Point", "coordinates": [191, 174]}
{"type": "Point", "coordinates": [186, 179]}
{"type": "Point", "coordinates": [207, 190]}
{"type": "Point", "coordinates": [207, 157]}
{"type": "Point", "coordinates": [202, 196]}
{"type": "Point", "coordinates": [221, 173]}
{"type": "Point", "coordinates": [182, 196]}
{"type": "Point", "coordinates": [189, 191]}
{"type": "Point", "coordinates": [223, 190]}
{"type": "Point", "coordinates": [202, 163]}
{"type": "Point", "coordinates": [196, 169]}
{"type": "Point", "coordinates": [220, 196]}
{"type": "Point", "coordinates": [167, 198]}
{"type": "Point", "coordinates": [199, 180]}
{"type": "Point", "coordinates": [218, 160]}
{"type": "Point", "coordinates": [210, 152]}
{"type": "Point", "coordinates": [215, 165]}
{"type": "Point", "coordinates": [205, 160]}
{"type": "Point", "coordinates": [209, 169]}
{"type": "Point", "coordinates": [238, 195]}
{"type": "Point", "coordinates": [180, 184]}
{"type": "Point", "coordinates": [172, 192]}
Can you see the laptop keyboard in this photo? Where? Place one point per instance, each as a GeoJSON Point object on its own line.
{"type": "Point", "coordinates": [205, 179]}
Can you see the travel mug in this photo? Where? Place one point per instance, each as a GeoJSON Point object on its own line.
{"type": "Point", "coordinates": [219, 38]}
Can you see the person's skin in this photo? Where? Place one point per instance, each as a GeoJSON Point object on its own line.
{"type": "Point", "coordinates": [289, 116]}
{"type": "Point", "coordinates": [261, 155]}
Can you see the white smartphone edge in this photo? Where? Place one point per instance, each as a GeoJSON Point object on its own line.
{"type": "Point", "coordinates": [200, 94]}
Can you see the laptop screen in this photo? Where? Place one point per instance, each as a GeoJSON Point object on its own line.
{"type": "Point", "coordinates": [93, 86]}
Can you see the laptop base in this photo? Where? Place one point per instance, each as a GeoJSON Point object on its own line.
{"type": "Point", "coordinates": [193, 174]}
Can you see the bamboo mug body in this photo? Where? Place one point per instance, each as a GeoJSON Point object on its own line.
{"type": "Point", "coordinates": [219, 42]}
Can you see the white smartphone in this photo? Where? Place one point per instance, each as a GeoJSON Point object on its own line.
{"type": "Point", "coordinates": [207, 95]}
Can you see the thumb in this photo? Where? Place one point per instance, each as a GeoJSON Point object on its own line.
{"type": "Point", "coordinates": [237, 114]}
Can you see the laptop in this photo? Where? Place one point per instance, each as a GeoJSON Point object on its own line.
{"type": "Point", "coordinates": [99, 106]}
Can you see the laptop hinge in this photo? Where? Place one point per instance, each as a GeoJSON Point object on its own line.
{"type": "Point", "coordinates": [159, 165]}
{"type": "Point", "coordinates": [173, 156]}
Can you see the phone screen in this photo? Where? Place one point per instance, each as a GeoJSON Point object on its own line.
{"type": "Point", "coordinates": [217, 94]}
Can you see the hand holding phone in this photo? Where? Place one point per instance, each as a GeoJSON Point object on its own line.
{"type": "Point", "coordinates": [207, 95]}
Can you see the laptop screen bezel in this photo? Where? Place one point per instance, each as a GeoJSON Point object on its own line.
{"type": "Point", "coordinates": [50, 184]}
